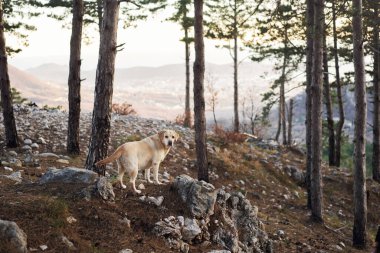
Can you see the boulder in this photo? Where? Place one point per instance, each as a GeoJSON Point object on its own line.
{"type": "Point", "coordinates": [199, 196]}
{"type": "Point", "coordinates": [68, 175]}
{"type": "Point", "coordinates": [15, 176]}
{"type": "Point", "coordinates": [12, 238]}
{"type": "Point", "coordinates": [242, 230]}
{"type": "Point", "coordinates": [105, 189]}
{"type": "Point", "coordinates": [295, 173]}
{"type": "Point", "coordinates": [190, 230]}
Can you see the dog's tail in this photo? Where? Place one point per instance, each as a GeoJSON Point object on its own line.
{"type": "Point", "coordinates": [110, 158]}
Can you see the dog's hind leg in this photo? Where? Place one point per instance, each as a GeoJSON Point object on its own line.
{"type": "Point", "coordinates": [147, 176]}
{"type": "Point", "coordinates": [121, 170]}
{"type": "Point", "coordinates": [133, 176]}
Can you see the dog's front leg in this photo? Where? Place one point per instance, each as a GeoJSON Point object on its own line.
{"type": "Point", "coordinates": [147, 176]}
{"type": "Point", "coordinates": [156, 165]}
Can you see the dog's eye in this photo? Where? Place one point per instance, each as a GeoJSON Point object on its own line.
{"type": "Point", "coordinates": [166, 136]}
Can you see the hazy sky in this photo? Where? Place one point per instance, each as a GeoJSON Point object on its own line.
{"type": "Point", "coordinates": [151, 43]}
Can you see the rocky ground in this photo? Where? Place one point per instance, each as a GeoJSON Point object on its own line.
{"type": "Point", "coordinates": [255, 202]}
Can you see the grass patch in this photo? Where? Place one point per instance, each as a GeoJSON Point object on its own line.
{"type": "Point", "coordinates": [57, 211]}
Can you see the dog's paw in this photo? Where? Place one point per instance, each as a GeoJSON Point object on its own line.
{"type": "Point", "coordinates": [123, 186]}
{"type": "Point", "coordinates": [157, 183]}
{"type": "Point", "coordinates": [138, 191]}
{"type": "Point", "coordinates": [150, 181]}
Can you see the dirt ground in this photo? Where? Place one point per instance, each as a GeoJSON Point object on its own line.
{"type": "Point", "coordinates": [42, 210]}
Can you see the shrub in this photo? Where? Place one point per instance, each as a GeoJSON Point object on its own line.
{"type": "Point", "coordinates": [123, 109]}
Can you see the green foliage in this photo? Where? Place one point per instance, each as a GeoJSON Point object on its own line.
{"type": "Point", "coordinates": [16, 97]}
{"type": "Point", "coordinates": [57, 211]}
{"type": "Point", "coordinates": [16, 12]}
{"type": "Point", "coordinates": [181, 16]}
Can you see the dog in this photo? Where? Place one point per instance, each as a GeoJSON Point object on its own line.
{"type": "Point", "coordinates": [144, 155]}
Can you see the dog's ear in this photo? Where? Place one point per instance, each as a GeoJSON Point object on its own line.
{"type": "Point", "coordinates": [161, 135]}
{"type": "Point", "coordinates": [176, 136]}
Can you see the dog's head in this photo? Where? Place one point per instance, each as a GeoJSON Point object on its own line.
{"type": "Point", "coordinates": [168, 137]}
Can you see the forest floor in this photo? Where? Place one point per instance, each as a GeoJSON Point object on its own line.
{"type": "Point", "coordinates": [256, 171]}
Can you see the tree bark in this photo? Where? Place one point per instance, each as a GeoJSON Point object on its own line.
{"type": "Point", "coordinates": [279, 121]}
{"type": "Point", "coordinates": [11, 140]}
{"type": "Point", "coordinates": [360, 198]}
{"type": "Point", "coordinates": [99, 10]}
{"type": "Point", "coordinates": [339, 129]}
{"type": "Point", "coordinates": [74, 81]}
{"type": "Point", "coordinates": [236, 92]}
{"type": "Point", "coordinates": [199, 100]}
{"type": "Point", "coordinates": [328, 104]}
{"type": "Point", "coordinates": [309, 64]}
{"type": "Point", "coordinates": [187, 121]}
{"type": "Point", "coordinates": [290, 122]}
{"type": "Point", "coordinates": [101, 116]}
{"type": "Point", "coordinates": [377, 241]}
{"type": "Point", "coordinates": [316, 120]}
{"type": "Point", "coordinates": [282, 89]}
{"type": "Point", "coordinates": [376, 98]}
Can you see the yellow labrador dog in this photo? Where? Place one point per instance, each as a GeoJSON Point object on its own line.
{"type": "Point", "coordinates": [144, 155]}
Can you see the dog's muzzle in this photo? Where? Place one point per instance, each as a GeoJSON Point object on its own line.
{"type": "Point", "coordinates": [170, 143]}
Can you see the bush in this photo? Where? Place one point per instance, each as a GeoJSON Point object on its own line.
{"type": "Point", "coordinates": [123, 109]}
{"type": "Point", "coordinates": [228, 136]}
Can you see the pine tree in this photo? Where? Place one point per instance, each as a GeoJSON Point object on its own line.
{"type": "Point", "coordinates": [230, 21]}
{"type": "Point", "coordinates": [74, 81]}
{"type": "Point", "coordinates": [360, 198]}
{"type": "Point", "coordinates": [11, 139]}
{"type": "Point", "coordinates": [101, 116]}
{"type": "Point", "coordinates": [182, 17]}
{"type": "Point", "coordinates": [199, 101]}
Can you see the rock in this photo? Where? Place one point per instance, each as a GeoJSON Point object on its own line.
{"type": "Point", "coordinates": [156, 201]}
{"type": "Point", "coordinates": [15, 162]}
{"type": "Point", "coordinates": [126, 251]}
{"type": "Point", "coordinates": [219, 251]}
{"type": "Point", "coordinates": [12, 153]}
{"type": "Point", "coordinates": [35, 146]}
{"type": "Point", "coordinates": [8, 169]}
{"type": "Point", "coordinates": [48, 155]}
{"type": "Point", "coordinates": [168, 229]}
{"type": "Point", "coordinates": [12, 238]}
{"type": "Point", "coordinates": [242, 230]}
{"type": "Point", "coordinates": [71, 219]}
{"type": "Point", "coordinates": [190, 230]}
{"type": "Point", "coordinates": [68, 243]}
{"type": "Point", "coordinates": [280, 233]}
{"type": "Point", "coordinates": [28, 142]}
{"type": "Point", "coordinates": [43, 247]}
{"type": "Point", "coordinates": [141, 187]}
{"type": "Point", "coordinates": [338, 248]}
{"type": "Point", "coordinates": [68, 175]}
{"type": "Point", "coordinates": [199, 196]}
{"type": "Point", "coordinates": [166, 175]}
{"type": "Point", "coordinates": [63, 161]}
{"type": "Point", "coordinates": [41, 140]}
{"type": "Point", "coordinates": [15, 176]}
{"type": "Point", "coordinates": [295, 173]}
{"type": "Point", "coordinates": [341, 244]}
{"type": "Point", "coordinates": [26, 148]}
{"type": "Point", "coordinates": [105, 189]}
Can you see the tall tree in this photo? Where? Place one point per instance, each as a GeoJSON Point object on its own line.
{"type": "Point", "coordinates": [182, 16]}
{"type": "Point", "coordinates": [11, 139]}
{"type": "Point", "coordinates": [199, 100]}
{"type": "Point", "coordinates": [328, 102]}
{"type": "Point", "coordinates": [229, 21]}
{"type": "Point", "coordinates": [101, 116]}
{"type": "Point", "coordinates": [360, 198]}
{"type": "Point", "coordinates": [339, 128]}
{"type": "Point", "coordinates": [309, 67]}
{"type": "Point", "coordinates": [74, 81]}
{"type": "Point", "coordinates": [376, 95]}
{"type": "Point", "coordinates": [316, 111]}
{"type": "Point", "coordinates": [290, 121]}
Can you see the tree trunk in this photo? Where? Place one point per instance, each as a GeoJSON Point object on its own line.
{"type": "Point", "coordinates": [199, 100]}
{"type": "Point", "coordinates": [360, 198]}
{"type": "Point", "coordinates": [74, 79]}
{"type": "Point", "coordinates": [11, 140]}
{"type": "Point", "coordinates": [279, 122]}
{"type": "Point", "coordinates": [282, 89]}
{"type": "Point", "coordinates": [339, 129]}
{"type": "Point", "coordinates": [377, 241]}
{"type": "Point", "coordinates": [290, 122]}
{"type": "Point", "coordinates": [101, 116]}
{"type": "Point", "coordinates": [187, 121]}
{"type": "Point", "coordinates": [316, 120]}
{"type": "Point", "coordinates": [309, 64]}
{"type": "Point", "coordinates": [376, 98]}
{"type": "Point", "coordinates": [236, 94]}
{"type": "Point", "coordinates": [328, 103]}
{"type": "Point", "coordinates": [99, 10]}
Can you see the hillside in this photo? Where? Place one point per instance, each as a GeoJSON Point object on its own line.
{"type": "Point", "coordinates": [268, 175]}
